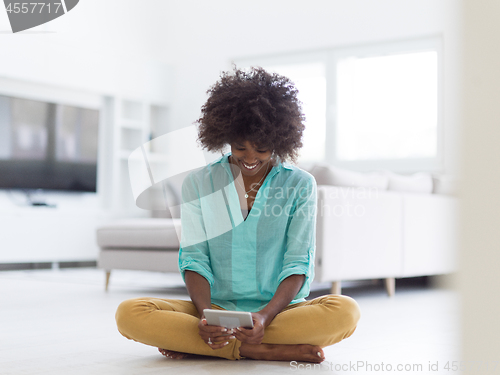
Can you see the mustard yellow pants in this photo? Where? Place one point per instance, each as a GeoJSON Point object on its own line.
{"type": "Point", "coordinates": [173, 324]}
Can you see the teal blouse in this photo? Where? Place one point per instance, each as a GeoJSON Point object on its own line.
{"type": "Point", "coordinates": [244, 261]}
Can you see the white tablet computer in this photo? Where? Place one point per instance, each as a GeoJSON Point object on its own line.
{"type": "Point", "coordinates": [228, 319]}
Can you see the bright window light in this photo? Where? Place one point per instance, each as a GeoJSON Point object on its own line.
{"type": "Point", "coordinates": [387, 107]}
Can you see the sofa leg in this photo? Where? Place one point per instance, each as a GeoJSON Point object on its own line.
{"type": "Point", "coordinates": [108, 274]}
{"type": "Point", "coordinates": [336, 287]}
{"type": "Point", "coordinates": [390, 286]}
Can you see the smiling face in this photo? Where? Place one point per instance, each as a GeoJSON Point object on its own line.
{"type": "Point", "coordinates": [252, 160]}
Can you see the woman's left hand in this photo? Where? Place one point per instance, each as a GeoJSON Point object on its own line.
{"type": "Point", "coordinates": [253, 335]}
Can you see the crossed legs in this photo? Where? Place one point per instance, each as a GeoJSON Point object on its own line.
{"type": "Point", "coordinates": [173, 325]}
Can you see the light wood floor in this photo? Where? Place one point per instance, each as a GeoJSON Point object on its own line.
{"type": "Point", "coordinates": [62, 322]}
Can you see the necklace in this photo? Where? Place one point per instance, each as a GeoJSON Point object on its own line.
{"type": "Point", "coordinates": [246, 192]}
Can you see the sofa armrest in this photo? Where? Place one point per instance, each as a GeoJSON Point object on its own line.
{"type": "Point", "coordinates": [359, 233]}
{"type": "Point", "coordinates": [430, 234]}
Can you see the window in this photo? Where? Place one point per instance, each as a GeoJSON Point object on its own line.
{"type": "Point", "coordinates": [386, 106]}
{"type": "Point", "coordinates": [369, 107]}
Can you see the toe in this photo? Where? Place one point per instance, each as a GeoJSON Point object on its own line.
{"type": "Point", "coordinates": [320, 354]}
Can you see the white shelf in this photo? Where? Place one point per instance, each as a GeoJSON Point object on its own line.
{"type": "Point", "coordinates": [132, 109]}
{"type": "Point", "coordinates": [65, 232]}
{"type": "Point", "coordinates": [124, 154]}
{"type": "Point", "coordinates": [133, 123]}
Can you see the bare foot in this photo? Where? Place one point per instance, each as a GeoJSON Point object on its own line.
{"type": "Point", "coordinates": [275, 352]}
{"type": "Point", "coordinates": [172, 354]}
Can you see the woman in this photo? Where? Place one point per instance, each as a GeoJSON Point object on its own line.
{"type": "Point", "coordinates": [248, 237]}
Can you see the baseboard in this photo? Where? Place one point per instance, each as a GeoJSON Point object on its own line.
{"type": "Point", "coordinates": [46, 265]}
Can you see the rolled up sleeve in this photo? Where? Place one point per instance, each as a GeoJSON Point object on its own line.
{"type": "Point", "coordinates": [194, 251]}
{"type": "Point", "coordinates": [301, 236]}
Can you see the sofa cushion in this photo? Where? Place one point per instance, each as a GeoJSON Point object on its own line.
{"type": "Point", "coordinates": [330, 175]}
{"type": "Point", "coordinates": [140, 233]}
{"type": "Point", "coordinates": [419, 182]}
{"type": "Point", "coordinates": [445, 184]}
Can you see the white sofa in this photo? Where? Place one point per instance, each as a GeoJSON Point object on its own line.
{"type": "Point", "coordinates": [369, 226]}
{"type": "Point", "coordinates": [387, 226]}
{"type": "Point", "coordinates": [143, 244]}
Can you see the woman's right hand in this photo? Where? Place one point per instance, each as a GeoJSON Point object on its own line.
{"type": "Point", "coordinates": [215, 336]}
